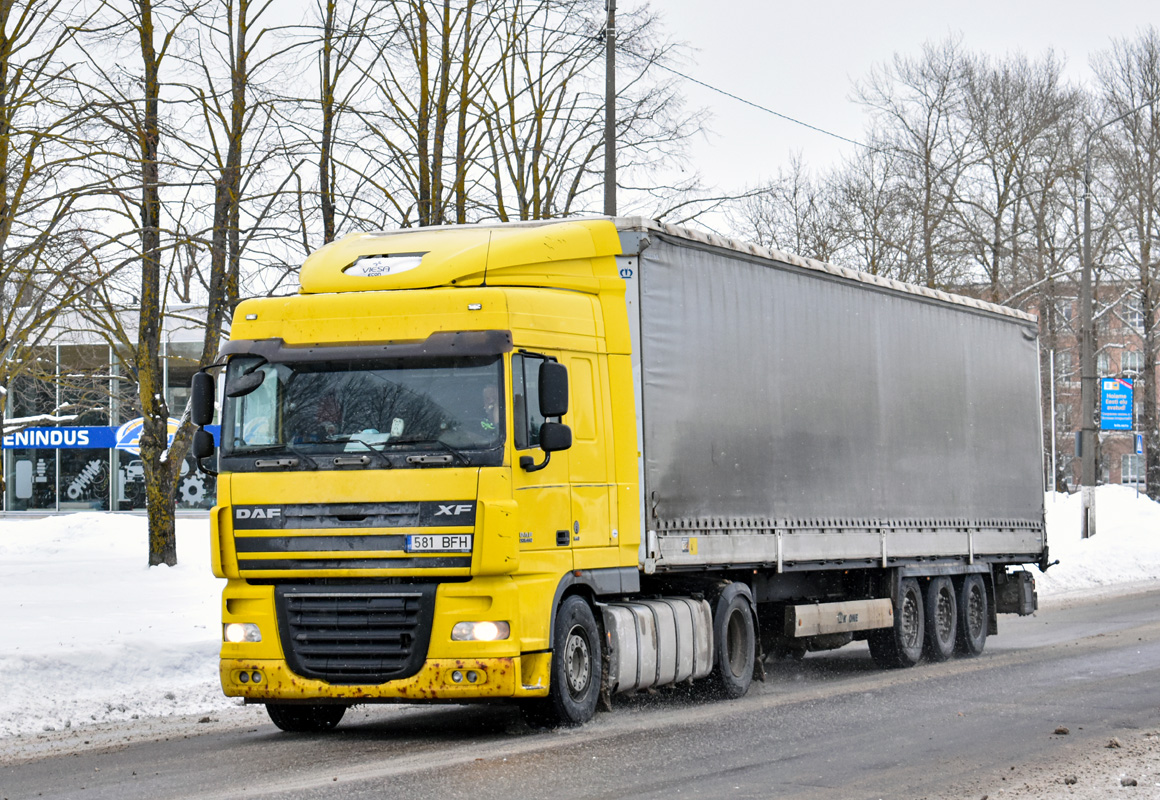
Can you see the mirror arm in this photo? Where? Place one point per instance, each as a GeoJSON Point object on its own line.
{"type": "Point", "coordinates": [528, 464]}
{"type": "Point", "coordinates": [206, 470]}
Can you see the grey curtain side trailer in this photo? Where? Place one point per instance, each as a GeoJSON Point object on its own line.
{"type": "Point", "coordinates": [795, 416]}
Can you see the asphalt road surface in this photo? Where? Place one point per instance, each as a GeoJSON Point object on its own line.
{"type": "Point", "coordinates": [832, 727]}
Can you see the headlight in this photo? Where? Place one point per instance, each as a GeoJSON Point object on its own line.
{"type": "Point", "coordinates": [236, 632]}
{"type": "Point", "coordinates": [480, 631]}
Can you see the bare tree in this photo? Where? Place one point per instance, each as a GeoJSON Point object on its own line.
{"type": "Point", "coordinates": [484, 109]}
{"type": "Point", "coordinates": [1129, 78]}
{"type": "Point", "coordinates": [1011, 106]}
{"type": "Point", "coordinates": [45, 262]}
{"type": "Point", "coordinates": [239, 153]}
{"type": "Point", "coordinates": [545, 129]}
{"type": "Point", "coordinates": [917, 105]}
{"type": "Point", "coordinates": [794, 212]}
{"type": "Point", "coordinates": [129, 96]}
{"type": "Point", "coordinates": [877, 234]}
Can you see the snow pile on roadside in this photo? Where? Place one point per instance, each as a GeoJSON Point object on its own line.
{"type": "Point", "coordinates": [1124, 551]}
{"type": "Point", "coordinates": [90, 634]}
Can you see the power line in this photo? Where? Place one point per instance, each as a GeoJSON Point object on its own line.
{"type": "Point", "coordinates": [761, 107]}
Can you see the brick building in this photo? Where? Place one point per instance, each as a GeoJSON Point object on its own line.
{"type": "Point", "coordinates": [1119, 354]}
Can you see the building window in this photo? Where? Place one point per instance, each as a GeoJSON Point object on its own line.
{"type": "Point", "coordinates": [1063, 366]}
{"type": "Point", "coordinates": [1131, 468]}
{"type": "Point", "coordinates": [1132, 361]}
{"type": "Point", "coordinates": [1063, 308]}
{"type": "Point", "coordinates": [1134, 315]}
{"type": "Point", "coordinates": [1103, 365]}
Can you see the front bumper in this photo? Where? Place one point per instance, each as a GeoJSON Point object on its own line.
{"type": "Point", "coordinates": [495, 677]}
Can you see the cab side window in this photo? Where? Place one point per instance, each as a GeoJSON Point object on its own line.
{"type": "Point", "coordinates": [526, 415]}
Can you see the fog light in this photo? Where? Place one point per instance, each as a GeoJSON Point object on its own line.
{"type": "Point", "coordinates": [480, 631]}
{"type": "Point", "coordinates": [472, 676]}
{"type": "Point", "coordinates": [244, 677]}
{"type": "Point", "coordinates": [237, 632]}
{"type": "Point", "coordinates": [257, 677]}
{"type": "Point", "coordinates": [457, 676]}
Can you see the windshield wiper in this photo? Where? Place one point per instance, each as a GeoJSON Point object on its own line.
{"type": "Point", "coordinates": [253, 450]}
{"type": "Point", "coordinates": [421, 440]}
{"type": "Point", "coordinates": [352, 438]}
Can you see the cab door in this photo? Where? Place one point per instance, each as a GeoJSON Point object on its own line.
{"type": "Point", "coordinates": [592, 496]}
{"type": "Point", "coordinates": [543, 495]}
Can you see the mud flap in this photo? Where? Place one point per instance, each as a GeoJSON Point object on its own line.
{"type": "Point", "coordinates": [1015, 594]}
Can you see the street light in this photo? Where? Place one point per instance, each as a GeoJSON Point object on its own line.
{"type": "Point", "coordinates": [1087, 367]}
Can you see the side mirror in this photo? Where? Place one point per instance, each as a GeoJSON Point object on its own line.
{"type": "Point", "coordinates": [244, 384]}
{"type": "Point", "coordinates": [555, 436]}
{"type": "Point", "coordinates": [553, 390]}
{"type": "Point", "coordinates": [202, 448]}
{"type": "Point", "coordinates": [201, 403]}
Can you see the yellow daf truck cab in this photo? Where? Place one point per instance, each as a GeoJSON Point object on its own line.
{"type": "Point", "coordinates": [400, 507]}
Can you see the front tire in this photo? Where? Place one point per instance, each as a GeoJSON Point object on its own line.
{"type": "Point", "coordinates": [310, 718]}
{"type": "Point", "coordinates": [577, 669]}
{"type": "Point", "coordinates": [901, 645]}
{"type": "Point", "coordinates": [941, 619]}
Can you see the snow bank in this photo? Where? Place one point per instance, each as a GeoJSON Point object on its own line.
{"type": "Point", "coordinates": [1124, 551]}
{"type": "Point", "coordinates": [88, 633]}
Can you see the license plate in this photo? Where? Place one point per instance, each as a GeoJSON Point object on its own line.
{"type": "Point", "coordinates": [439, 543]}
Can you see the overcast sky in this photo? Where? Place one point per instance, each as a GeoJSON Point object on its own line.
{"type": "Point", "coordinates": [801, 59]}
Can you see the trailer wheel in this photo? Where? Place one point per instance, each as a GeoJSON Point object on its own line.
{"type": "Point", "coordinates": [577, 670]}
{"type": "Point", "coordinates": [973, 617]}
{"type": "Point", "coordinates": [313, 718]}
{"type": "Point", "coordinates": [941, 619]}
{"type": "Point", "coordinates": [901, 645]}
{"type": "Point", "coordinates": [734, 644]}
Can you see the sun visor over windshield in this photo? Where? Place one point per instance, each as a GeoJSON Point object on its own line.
{"type": "Point", "coordinates": [442, 344]}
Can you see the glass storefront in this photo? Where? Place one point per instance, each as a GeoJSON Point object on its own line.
{"type": "Point", "coordinates": [80, 397]}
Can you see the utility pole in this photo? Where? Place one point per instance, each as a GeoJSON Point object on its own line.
{"type": "Point", "coordinates": [1087, 339]}
{"type": "Point", "coordinates": [1087, 370]}
{"type": "Point", "coordinates": [610, 111]}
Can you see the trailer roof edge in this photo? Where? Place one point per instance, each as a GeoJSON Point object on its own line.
{"type": "Point", "coordinates": [702, 237]}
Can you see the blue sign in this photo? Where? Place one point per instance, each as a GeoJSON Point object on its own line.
{"type": "Point", "coordinates": [1139, 444]}
{"type": "Point", "coordinates": [62, 438]}
{"type": "Point", "coordinates": [1116, 404]}
{"type": "Point", "coordinates": [98, 437]}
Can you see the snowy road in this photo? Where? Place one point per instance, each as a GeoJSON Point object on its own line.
{"type": "Point", "coordinates": [830, 727]}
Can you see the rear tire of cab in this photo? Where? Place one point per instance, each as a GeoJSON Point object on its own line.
{"type": "Point", "coordinates": [734, 644]}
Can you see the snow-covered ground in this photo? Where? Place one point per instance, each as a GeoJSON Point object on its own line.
{"type": "Point", "coordinates": [89, 634]}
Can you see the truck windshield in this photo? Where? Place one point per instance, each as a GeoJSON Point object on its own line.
{"type": "Point", "coordinates": [446, 405]}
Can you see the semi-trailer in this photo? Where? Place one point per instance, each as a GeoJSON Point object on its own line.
{"type": "Point", "coordinates": [547, 461]}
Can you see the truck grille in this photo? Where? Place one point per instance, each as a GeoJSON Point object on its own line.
{"type": "Point", "coordinates": [347, 537]}
{"type": "Point", "coordinates": [355, 635]}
